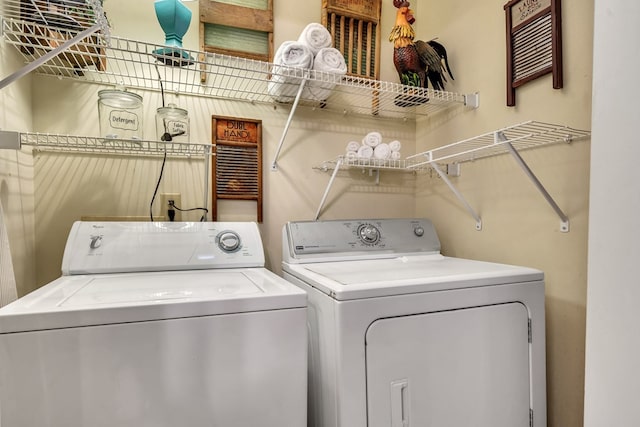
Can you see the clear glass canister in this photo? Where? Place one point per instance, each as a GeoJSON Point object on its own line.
{"type": "Point", "coordinates": [172, 124]}
{"type": "Point", "coordinates": [120, 114]}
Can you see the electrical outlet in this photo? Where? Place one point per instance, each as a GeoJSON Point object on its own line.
{"type": "Point", "coordinates": [164, 205]}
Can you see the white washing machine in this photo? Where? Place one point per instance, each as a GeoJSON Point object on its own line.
{"type": "Point", "coordinates": [403, 336]}
{"type": "Point", "coordinates": [157, 324]}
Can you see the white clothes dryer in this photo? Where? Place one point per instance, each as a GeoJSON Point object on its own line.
{"type": "Point", "coordinates": [401, 336]}
{"type": "Point", "coordinates": [157, 324]}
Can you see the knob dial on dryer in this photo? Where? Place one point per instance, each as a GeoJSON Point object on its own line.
{"type": "Point", "coordinates": [229, 241]}
{"type": "Point", "coordinates": [368, 234]}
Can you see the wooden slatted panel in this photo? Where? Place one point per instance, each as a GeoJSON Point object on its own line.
{"type": "Point", "coordinates": [534, 43]}
{"type": "Point", "coordinates": [532, 48]}
{"type": "Point", "coordinates": [226, 38]}
{"type": "Point", "coordinates": [237, 172]}
{"type": "Point", "coordinates": [356, 39]}
{"type": "Point", "coordinates": [242, 28]}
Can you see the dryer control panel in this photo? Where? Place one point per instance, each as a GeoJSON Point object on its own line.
{"type": "Point", "coordinates": [318, 241]}
{"type": "Point", "coordinates": [117, 247]}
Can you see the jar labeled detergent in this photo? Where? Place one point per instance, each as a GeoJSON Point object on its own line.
{"type": "Point", "coordinates": [120, 114]}
{"type": "Point", "coordinates": [172, 124]}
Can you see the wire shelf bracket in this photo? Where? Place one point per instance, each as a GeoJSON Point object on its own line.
{"type": "Point", "coordinates": [507, 140]}
{"type": "Point", "coordinates": [372, 165]}
{"type": "Point", "coordinates": [458, 194]}
{"type": "Point", "coordinates": [274, 164]}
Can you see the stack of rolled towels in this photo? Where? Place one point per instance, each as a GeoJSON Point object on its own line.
{"type": "Point", "coordinates": [312, 51]}
{"type": "Point", "coordinates": [373, 147]}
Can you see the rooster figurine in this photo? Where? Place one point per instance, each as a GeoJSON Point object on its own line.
{"type": "Point", "coordinates": [417, 62]}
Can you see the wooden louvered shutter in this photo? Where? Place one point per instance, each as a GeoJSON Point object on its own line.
{"type": "Point", "coordinates": [237, 164]}
{"type": "Point", "coordinates": [534, 43]}
{"type": "Point", "coordinates": [242, 28]}
{"type": "Point", "coordinates": [354, 27]}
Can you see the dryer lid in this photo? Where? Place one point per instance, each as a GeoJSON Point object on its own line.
{"type": "Point", "coordinates": [347, 280]}
{"type": "Point", "coordinates": [85, 300]}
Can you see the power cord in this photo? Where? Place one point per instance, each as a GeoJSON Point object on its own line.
{"type": "Point", "coordinates": [164, 158]}
{"type": "Point", "coordinates": [168, 137]}
{"type": "Point", "coordinates": [171, 211]}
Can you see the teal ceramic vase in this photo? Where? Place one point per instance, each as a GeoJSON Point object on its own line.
{"type": "Point", "coordinates": [174, 18]}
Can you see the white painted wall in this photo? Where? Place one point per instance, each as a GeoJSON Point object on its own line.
{"type": "Point", "coordinates": [612, 383]}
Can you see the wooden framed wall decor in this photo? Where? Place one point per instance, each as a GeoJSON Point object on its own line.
{"type": "Point", "coordinates": [355, 28]}
{"type": "Point", "coordinates": [534, 43]}
{"type": "Point", "coordinates": [237, 164]}
{"type": "Point", "coordinates": [238, 28]}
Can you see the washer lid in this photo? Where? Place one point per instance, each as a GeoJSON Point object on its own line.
{"type": "Point", "coordinates": [85, 300]}
{"type": "Point", "coordinates": [347, 280]}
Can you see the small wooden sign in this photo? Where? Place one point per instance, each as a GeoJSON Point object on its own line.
{"type": "Point", "coordinates": [534, 43]}
{"type": "Point", "coordinates": [236, 130]}
{"type": "Point", "coordinates": [237, 165]}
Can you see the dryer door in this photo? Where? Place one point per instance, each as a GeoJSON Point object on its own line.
{"type": "Point", "coordinates": [467, 367]}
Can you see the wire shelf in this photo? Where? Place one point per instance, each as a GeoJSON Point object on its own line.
{"type": "Point", "coordinates": [57, 14]}
{"type": "Point", "coordinates": [85, 145]}
{"type": "Point", "coordinates": [136, 64]}
{"type": "Point", "coordinates": [522, 136]}
{"type": "Point", "coordinates": [370, 163]}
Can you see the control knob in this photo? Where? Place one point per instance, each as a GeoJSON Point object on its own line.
{"type": "Point", "coordinates": [368, 234]}
{"type": "Point", "coordinates": [229, 241]}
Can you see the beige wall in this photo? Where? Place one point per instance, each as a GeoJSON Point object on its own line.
{"type": "Point", "coordinates": [16, 173]}
{"type": "Point", "coordinates": [519, 227]}
{"type": "Point", "coordinates": [68, 187]}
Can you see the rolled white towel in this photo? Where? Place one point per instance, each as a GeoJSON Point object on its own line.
{"type": "Point", "coordinates": [327, 60]}
{"type": "Point", "coordinates": [316, 37]}
{"type": "Point", "coordinates": [351, 155]}
{"type": "Point", "coordinates": [395, 145]}
{"type": "Point", "coordinates": [285, 80]}
{"type": "Point", "coordinates": [365, 152]}
{"type": "Point", "coordinates": [372, 139]}
{"type": "Point", "coordinates": [294, 54]}
{"type": "Point", "coordinates": [395, 155]}
{"type": "Point", "coordinates": [353, 146]}
{"type": "Point", "coordinates": [382, 151]}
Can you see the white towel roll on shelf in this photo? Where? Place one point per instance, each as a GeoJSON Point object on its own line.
{"type": "Point", "coordinates": [395, 155]}
{"type": "Point", "coordinates": [353, 146]}
{"type": "Point", "coordinates": [351, 155]}
{"type": "Point", "coordinates": [365, 152]}
{"type": "Point", "coordinates": [327, 60]}
{"type": "Point", "coordinates": [316, 37]}
{"type": "Point", "coordinates": [286, 80]}
{"type": "Point", "coordinates": [395, 145]}
{"type": "Point", "coordinates": [382, 151]}
{"type": "Point", "coordinates": [372, 139]}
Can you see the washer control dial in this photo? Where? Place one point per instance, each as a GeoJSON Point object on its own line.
{"type": "Point", "coordinates": [418, 231]}
{"type": "Point", "coordinates": [368, 234]}
{"type": "Point", "coordinates": [228, 241]}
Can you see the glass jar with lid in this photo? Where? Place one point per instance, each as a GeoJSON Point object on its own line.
{"type": "Point", "coordinates": [120, 114]}
{"type": "Point", "coordinates": [172, 124]}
